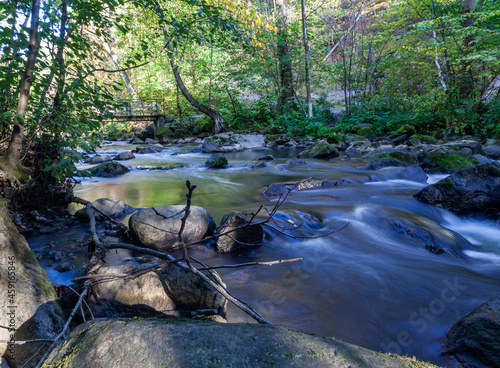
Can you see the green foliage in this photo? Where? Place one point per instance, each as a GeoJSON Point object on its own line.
{"type": "Point", "coordinates": [181, 133]}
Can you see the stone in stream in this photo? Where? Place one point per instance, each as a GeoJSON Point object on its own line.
{"type": "Point", "coordinates": [216, 161]}
{"type": "Point", "coordinates": [163, 292]}
{"type": "Point", "coordinates": [472, 189]}
{"type": "Point", "coordinates": [475, 339]}
{"type": "Point", "coordinates": [158, 227]}
{"type": "Point", "coordinates": [98, 159]}
{"type": "Point", "coordinates": [109, 207]}
{"type": "Point", "coordinates": [28, 302]}
{"type": "Point", "coordinates": [124, 156]}
{"type": "Point", "coordinates": [146, 343]}
{"type": "Point", "coordinates": [322, 149]}
{"type": "Point", "coordinates": [266, 158]}
{"type": "Point", "coordinates": [109, 169]}
{"type": "Point", "coordinates": [246, 235]}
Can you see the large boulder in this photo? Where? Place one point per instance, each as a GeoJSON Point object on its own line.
{"type": "Point", "coordinates": [29, 305]}
{"type": "Point", "coordinates": [158, 227]}
{"type": "Point", "coordinates": [98, 159]}
{"type": "Point", "coordinates": [492, 149]}
{"type": "Point", "coordinates": [216, 161]}
{"type": "Point", "coordinates": [109, 207]}
{"type": "Point", "coordinates": [473, 189]}
{"type": "Point", "coordinates": [176, 344]}
{"type": "Point", "coordinates": [475, 339]}
{"type": "Point", "coordinates": [108, 169]}
{"type": "Point", "coordinates": [241, 233]}
{"type": "Point", "coordinates": [322, 149]}
{"type": "Point", "coordinates": [162, 292]}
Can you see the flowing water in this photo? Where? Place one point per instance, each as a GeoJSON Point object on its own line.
{"type": "Point", "coordinates": [367, 283]}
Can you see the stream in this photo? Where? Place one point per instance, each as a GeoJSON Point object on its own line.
{"type": "Point", "coordinates": [367, 283]}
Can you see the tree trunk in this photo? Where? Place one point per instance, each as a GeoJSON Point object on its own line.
{"type": "Point", "coordinates": [110, 46]}
{"type": "Point", "coordinates": [60, 55]}
{"type": "Point", "coordinates": [306, 56]}
{"type": "Point", "coordinates": [466, 77]}
{"type": "Point", "coordinates": [217, 118]}
{"type": "Point", "coordinates": [287, 92]}
{"type": "Point", "coordinates": [14, 154]}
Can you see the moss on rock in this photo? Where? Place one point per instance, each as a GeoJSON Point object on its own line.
{"type": "Point", "coordinates": [181, 133]}
{"type": "Point", "coordinates": [322, 149]}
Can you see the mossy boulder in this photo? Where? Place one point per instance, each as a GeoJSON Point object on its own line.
{"type": "Point", "coordinates": [181, 133]}
{"type": "Point", "coordinates": [216, 161]}
{"type": "Point", "coordinates": [417, 139]}
{"type": "Point", "coordinates": [187, 343]}
{"type": "Point", "coordinates": [108, 169]}
{"type": "Point", "coordinates": [241, 233]}
{"type": "Point", "coordinates": [322, 149]}
{"type": "Point", "coordinates": [444, 161]}
{"type": "Point", "coordinates": [28, 302]}
{"type": "Point", "coordinates": [366, 132]}
{"type": "Point", "coordinates": [205, 126]}
{"type": "Point", "coordinates": [407, 129]}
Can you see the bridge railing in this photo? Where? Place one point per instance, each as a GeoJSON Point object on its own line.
{"type": "Point", "coordinates": [140, 108]}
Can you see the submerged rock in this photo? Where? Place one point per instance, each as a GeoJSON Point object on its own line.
{"type": "Point", "coordinates": [473, 189]}
{"type": "Point", "coordinates": [247, 234]}
{"type": "Point", "coordinates": [475, 339]}
{"type": "Point", "coordinates": [156, 343]}
{"type": "Point", "coordinates": [157, 228]}
{"type": "Point", "coordinates": [108, 169]}
{"type": "Point", "coordinates": [107, 206]}
{"type": "Point", "coordinates": [322, 149]}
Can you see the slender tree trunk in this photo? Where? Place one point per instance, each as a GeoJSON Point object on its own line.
{"type": "Point", "coordinates": [14, 153]}
{"type": "Point", "coordinates": [287, 92]}
{"type": "Point", "coordinates": [60, 56]}
{"type": "Point", "coordinates": [306, 56]}
{"type": "Point", "coordinates": [466, 77]}
{"type": "Point", "coordinates": [217, 118]}
{"type": "Point", "coordinates": [110, 46]}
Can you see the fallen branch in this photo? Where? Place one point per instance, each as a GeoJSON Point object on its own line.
{"type": "Point", "coordinates": [66, 326]}
{"type": "Point", "coordinates": [272, 263]}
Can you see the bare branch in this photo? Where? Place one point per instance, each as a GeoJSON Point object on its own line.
{"type": "Point", "coordinates": [271, 263]}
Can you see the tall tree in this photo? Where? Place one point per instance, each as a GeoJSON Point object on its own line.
{"type": "Point", "coordinates": [287, 92]}
{"type": "Point", "coordinates": [306, 60]}
{"type": "Point", "coordinates": [16, 142]}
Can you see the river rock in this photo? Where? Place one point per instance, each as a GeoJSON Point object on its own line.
{"type": "Point", "coordinates": [412, 173]}
{"type": "Point", "coordinates": [152, 230]}
{"type": "Point", "coordinates": [216, 161]}
{"type": "Point", "coordinates": [228, 142]}
{"type": "Point", "coordinates": [266, 158]}
{"type": "Point", "coordinates": [291, 163]}
{"type": "Point", "coordinates": [28, 302]}
{"type": "Point", "coordinates": [475, 339]}
{"type": "Point", "coordinates": [439, 159]}
{"type": "Point", "coordinates": [144, 150]}
{"type": "Point", "coordinates": [276, 190]}
{"type": "Point", "coordinates": [98, 159]}
{"type": "Point", "coordinates": [154, 293]}
{"type": "Point", "coordinates": [109, 207]}
{"type": "Point", "coordinates": [109, 169]}
{"type": "Point", "coordinates": [188, 343]}
{"type": "Point", "coordinates": [124, 156]}
{"type": "Point", "coordinates": [359, 147]}
{"type": "Point", "coordinates": [475, 147]}
{"type": "Point", "coordinates": [493, 150]}
{"type": "Point", "coordinates": [322, 149]}
{"type": "Point", "coordinates": [473, 189]}
{"type": "Point", "coordinates": [244, 236]}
